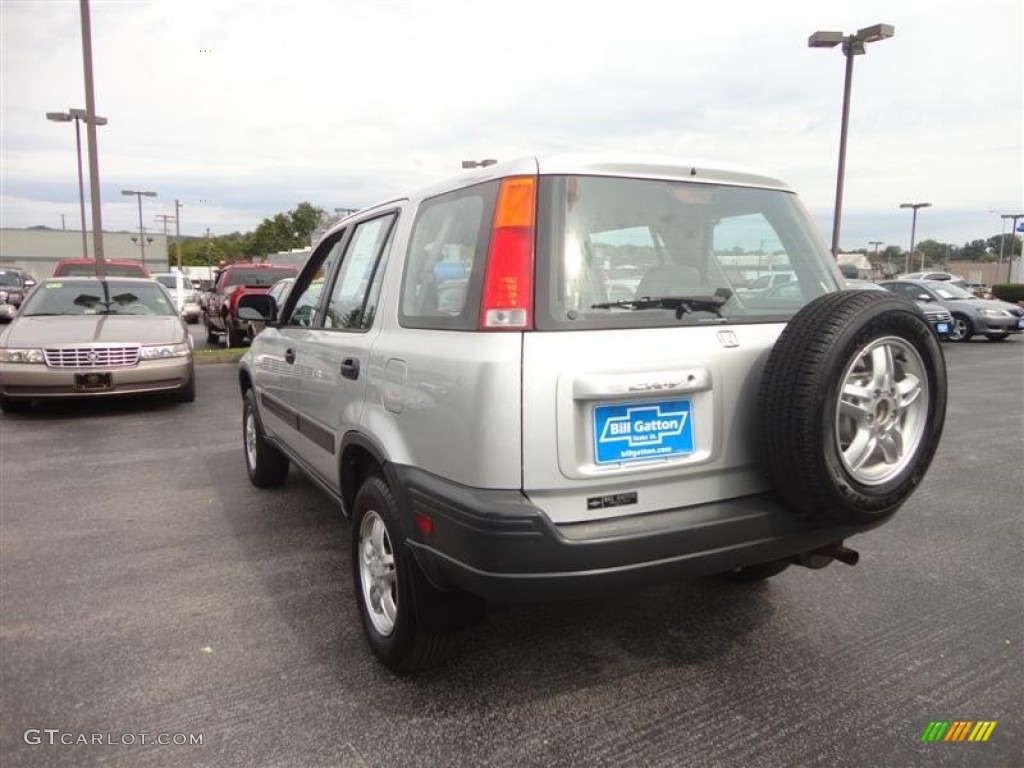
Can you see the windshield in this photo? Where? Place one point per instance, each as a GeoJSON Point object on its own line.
{"type": "Point", "coordinates": [949, 291]}
{"type": "Point", "coordinates": [617, 252]}
{"type": "Point", "coordinates": [92, 297]}
{"type": "Point", "coordinates": [10, 280]}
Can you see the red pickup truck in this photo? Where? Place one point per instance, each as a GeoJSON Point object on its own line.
{"type": "Point", "coordinates": [220, 305]}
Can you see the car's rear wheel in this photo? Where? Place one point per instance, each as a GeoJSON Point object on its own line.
{"type": "Point", "coordinates": [409, 624]}
{"type": "Point", "coordinates": [852, 401]}
{"type": "Point", "coordinates": [211, 336]}
{"type": "Point", "coordinates": [962, 330]}
{"type": "Point", "coordinates": [266, 465]}
{"type": "Point", "coordinates": [232, 337]}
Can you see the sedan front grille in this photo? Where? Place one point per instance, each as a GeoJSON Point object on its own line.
{"type": "Point", "coordinates": [92, 357]}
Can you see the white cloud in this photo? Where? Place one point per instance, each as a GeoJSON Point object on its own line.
{"type": "Point", "coordinates": [258, 105]}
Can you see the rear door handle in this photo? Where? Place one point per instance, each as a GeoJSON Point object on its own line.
{"type": "Point", "coordinates": [350, 368]}
{"type": "Point", "coordinates": [289, 356]}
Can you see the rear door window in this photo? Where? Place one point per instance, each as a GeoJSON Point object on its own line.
{"type": "Point", "coordinates": [445, 262]}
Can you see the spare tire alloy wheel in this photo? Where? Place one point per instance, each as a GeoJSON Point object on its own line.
{"type": "Point", "coordinates": [853, 403]}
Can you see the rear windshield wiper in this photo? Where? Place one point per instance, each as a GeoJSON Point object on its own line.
{"type": "Point", "coordinates": [681, 304]}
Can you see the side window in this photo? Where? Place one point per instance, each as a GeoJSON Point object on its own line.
{"type": "Point", "coordinates": [353, 300]}
{"type": "Point", "coordinates": [304, 300]}
{"type": "Point", "coordinates": [445, 261]}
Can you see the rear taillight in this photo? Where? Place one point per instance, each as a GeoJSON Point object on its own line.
{"type": "Point", "coordinates": [507, 302]}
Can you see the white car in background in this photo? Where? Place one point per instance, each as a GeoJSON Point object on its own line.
{"type": "Point", "coordinates": [186, 298]}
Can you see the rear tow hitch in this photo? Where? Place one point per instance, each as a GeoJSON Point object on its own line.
{"type": "Point", "coordinates": [819, 558]}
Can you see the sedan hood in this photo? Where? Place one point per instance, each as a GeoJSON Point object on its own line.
{"type": "Point", "coordinates": [93, 329]}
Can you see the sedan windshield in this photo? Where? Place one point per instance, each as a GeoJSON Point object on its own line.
{"type": "Point", "coordinates": [96, 297]}
{"type": "Point", "coordinates": [10, 280]}
{"type": "Point", "coordinates": [949, 291]}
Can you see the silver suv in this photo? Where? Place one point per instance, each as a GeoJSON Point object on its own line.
{"type": "Point", "coordinates": [538, 381]}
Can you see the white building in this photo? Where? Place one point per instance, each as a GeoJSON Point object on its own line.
{"type": "Point", "coordinates": [38, 250]}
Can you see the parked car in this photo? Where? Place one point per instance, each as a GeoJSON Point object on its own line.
{"type": "Point", "coordinates": [943, 277]}
{"type": "Point", "coordinates": [186, 298]}
{"type": "Point", "coordinates": [994, 319]}
{"type": "Point", "coordinates": [278, 292]}
{"type": "Point", "coordinates": [14, 284]}
{"type": "Point", "coordinates": [87, 268]}
{"type": "Point", "coordinates": [940, 318]}
{"type": "Point", "coordinates": [529, 437]}
{"type": "Point", "coordinates": [220, 305]}
{"type": "Point", "coordinates": [86, 337]}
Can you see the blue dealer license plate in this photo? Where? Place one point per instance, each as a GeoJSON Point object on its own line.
{"type": "Point", "coordinates": [638, 431]}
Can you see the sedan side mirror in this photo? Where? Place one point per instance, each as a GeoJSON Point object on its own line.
{"type": "Point", "coordinates": [924, 297]}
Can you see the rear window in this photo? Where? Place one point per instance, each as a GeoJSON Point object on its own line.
{"type": "Point", "coordinates": [609, 250]}
{"type": "Point", "coordinates": [87, 270]}
{"type": "Point", "coordinates": [257, 278]}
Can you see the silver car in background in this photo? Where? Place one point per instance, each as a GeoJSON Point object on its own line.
{"type": "Point", "coordinates": [86, 337]}
{"type": "Point", "coordinates": [991, 318]}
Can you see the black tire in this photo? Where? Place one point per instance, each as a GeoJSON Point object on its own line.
{"type": "Point", "coordinates": [266, 466]}
{"type": "Point", "coordinates": [420, 631]}
{"type": "Point", "coordinates": [15, 405]}
{"type": "Point", "coordinates": [836, 446]}
{"type": "Point", "coordinates": [187, 394]}
{"type": "Point", "coordinates": [996, 336]}
{"type": "Point", "coordinates": [758, 572]}
{"type": "Point", "coordinates": [211, 336]}
{"type": "Point", "coordinates": [962, 329]}
{"type": "Point", "coordinates": [232, 338]}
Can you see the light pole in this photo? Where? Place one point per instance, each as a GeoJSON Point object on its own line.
{"type": "Point", "coordinates": [1013, 241]}
{"type": "Point", "coordinates": [875, 243]}
{"type": "Point", "coordinates": [913, 231]}
{"type": "Point", "coordinates": [177, 231]}
{"type": "Point", "coordinates": [142, 235]}
{"type": "Point", "coordinates": [66, 117]}
{"type": "Point", "coordinates": [853, 45]}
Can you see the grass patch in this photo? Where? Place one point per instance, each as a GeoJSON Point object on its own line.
{"type": "Point", "coordinates": [213, 356]}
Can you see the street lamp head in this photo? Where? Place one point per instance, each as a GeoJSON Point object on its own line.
{"type": "Point", "coordinates": [823, 39]}
{"type": "Point", "coordinates": [876, 32]}
{"type": "Point", "coordinates": [915, 205]}
{"type": "Point", "coordinates": [59, 117]}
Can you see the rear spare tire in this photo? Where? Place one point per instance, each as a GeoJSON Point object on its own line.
{"type": "Point", "coordinates": [852, 404]}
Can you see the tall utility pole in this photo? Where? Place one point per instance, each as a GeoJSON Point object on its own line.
{"type": "Point", "coordinates": [163, 217]}
{"type": "Point", "coordinates": [90, 125]}
{"type": "Point", "coordinates": [177, 231]}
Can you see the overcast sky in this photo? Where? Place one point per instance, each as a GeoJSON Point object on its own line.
{"type": "Point", "coordinates": [242, 108]}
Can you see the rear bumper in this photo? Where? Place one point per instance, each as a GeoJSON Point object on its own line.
{"type": "Point", "coordinates": [498, 545]}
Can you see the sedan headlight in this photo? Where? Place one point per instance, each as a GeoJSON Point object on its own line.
{"type": "Point", "coordinates": [3, 297]}
{"type": "Point", "coordinates": [994, 313]}
{"type": "Point", "coordinates": [21, 356]}
{"type": "Point", "coordinates": [164, 351]}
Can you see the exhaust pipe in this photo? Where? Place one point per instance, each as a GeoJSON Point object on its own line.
{"type": "Point", "coordinates": [819, 558]}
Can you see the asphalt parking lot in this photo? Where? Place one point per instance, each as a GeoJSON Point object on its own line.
{"type": "Point", "coordinates": [147, 587]}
